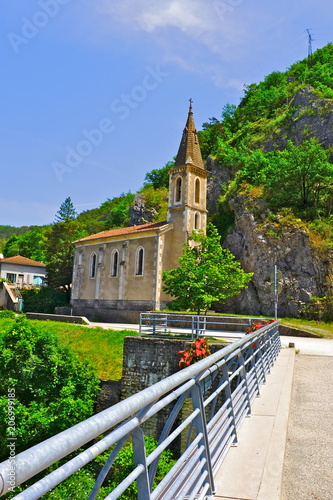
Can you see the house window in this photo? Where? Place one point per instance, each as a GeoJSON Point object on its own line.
{"type": "Point", "coordinates": [11, 277]}
{"type": "Point", "coordinates": [178, 196]}
{"type": "Point", "coordinates": [139, 261]}
{"type": "Point", "coordinates": [114, 263]}
{"type": "Point", "coordinates": [197, 191]}
{"type": "Point", "coordinates": [92, 265]}
{"type": "Point", "coordinates": [196, 221]}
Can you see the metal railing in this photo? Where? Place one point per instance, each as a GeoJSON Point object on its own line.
{"type": "Point", "coordinates": [220, 389]}
{"type": "Point", "coordinates": [193, 325]}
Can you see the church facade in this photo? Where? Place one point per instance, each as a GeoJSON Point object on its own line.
{"type": "Point", "coordinates": [118, 273]}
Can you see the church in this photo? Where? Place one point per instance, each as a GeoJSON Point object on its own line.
{"type": "Point", "coordinates": [118, 273]}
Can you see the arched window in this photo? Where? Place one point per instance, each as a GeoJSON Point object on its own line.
{"type": "Point", "coordinates": [178, 196]}
{"type": "Point", "coordinates": [139, 261]}
{"type": "Point", "coordinates": [92, 265]}
{"type": "Point", "coordinates": [196, 221]}
{"type": "Point", "coordinates": [114, 263]}
{"type": "Point", "coordinates": [197, 191]}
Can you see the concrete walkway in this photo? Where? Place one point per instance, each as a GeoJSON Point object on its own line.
{"type": "Point", "coordinates": [285, 449]}
{"type": "Point", "coordinates": [253, 469]}
{"type": "Point", "coordinates": [308, 470]}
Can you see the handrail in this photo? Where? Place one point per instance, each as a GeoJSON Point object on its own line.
{"type": "Point", "coordinates": [237, 371]}
{"type": "Point", "coordinates": [193, 325]}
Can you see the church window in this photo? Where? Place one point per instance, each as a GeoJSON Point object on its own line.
{"type": "Point", "coordinates": [178, 189]}
{"type": "Point", "coordinates": [196, 221]}
{"type": "Point", "coordinates": [197, 191]}
{"type": "Point", "coordinates": [139, 261]}
{"type": "Point", "coordinates": [93, 265]}
{"type": "Point", "coordinates": [114, 263]}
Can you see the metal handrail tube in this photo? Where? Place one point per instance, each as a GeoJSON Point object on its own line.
{"type": "Point", "coordinates": [125, 483]}
{"type": "Point", "coordinates": [129, 414]}
{"type": "Point", "coordinates": [179, 465]}
{"type": "Point", "coordinates": [199, 483]}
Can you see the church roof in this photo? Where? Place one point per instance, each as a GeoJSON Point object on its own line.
{"type": "Point", "coordinates": [24, 261]}
{"type": "Point", "coordinates": [123, 231]}
{"type": "Point", "coordinates": [189, 149]}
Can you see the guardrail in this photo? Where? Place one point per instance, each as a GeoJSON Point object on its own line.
{"type": "Point", "coordinates": [220, 388]}
{"type": "Point", "coordinates": [161, 324]}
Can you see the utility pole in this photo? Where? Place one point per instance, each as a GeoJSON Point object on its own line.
{"type": "Point", "coordinates": [310, 40]}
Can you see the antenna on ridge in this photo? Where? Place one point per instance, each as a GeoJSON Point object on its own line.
{"type": "Point", "coordinates": [310, 40]}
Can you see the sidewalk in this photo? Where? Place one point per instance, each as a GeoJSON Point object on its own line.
{"type": "Point", "coordinates": [253, 469]}
{"type": "Point", "coordinates": [308, 470]}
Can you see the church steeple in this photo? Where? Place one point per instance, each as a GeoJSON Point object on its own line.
{"type": "Point", "coordinates": [189, 149]}
{"type": "Point", "coordinates": [187, 188]}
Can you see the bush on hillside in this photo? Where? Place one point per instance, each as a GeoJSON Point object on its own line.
{"type": "Point", "coordinates": [44, 300]}
{"type": "Point", "coordinates": [319, 309]}
{"type": "Point", "coordinates": [51, 388]}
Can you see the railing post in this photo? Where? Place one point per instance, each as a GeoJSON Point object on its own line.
{"type": "Point", "coordinates": [139, 453]}
{"type": "Point", "coordinates": [244, 377]}
{"type": "Point", "coordinates": [231, 404]}
{"type": "Point", "coordinates": [201, 425]}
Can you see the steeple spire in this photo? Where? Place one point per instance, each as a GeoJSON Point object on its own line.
{"type": "Point", "coordinates": [189, 149]}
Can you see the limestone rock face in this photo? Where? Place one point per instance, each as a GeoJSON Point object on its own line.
{"type": "Point", "coordinates": [139, 213]}
{"type": "Point", "coordinates": [217, 177]}
{"type": "Point", "coordinates": [259, 246]}
{"type": "Point", "coordinates": [313, 117]}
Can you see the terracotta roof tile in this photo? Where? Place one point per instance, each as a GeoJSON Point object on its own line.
{"type": "Point", "coordinates": [24, 261]}
{"type": "Point", "coordinates": [123, 231]}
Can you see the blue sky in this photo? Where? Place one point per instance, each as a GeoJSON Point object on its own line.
{"type": "Point", "coordinates": [94, 94]}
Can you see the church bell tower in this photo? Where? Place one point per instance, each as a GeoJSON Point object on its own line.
{"type": "Point", "coordinates": [188, 186]}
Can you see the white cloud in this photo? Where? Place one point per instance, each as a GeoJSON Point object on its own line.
{"type": "Point", "coordinates": [188, 15]}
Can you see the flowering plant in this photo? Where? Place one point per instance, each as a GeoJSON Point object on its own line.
{"type": "Point", "coordinates": [258, 324]}
{"type": "Point", "coordinates": [255, 326]}
{"type": "Point", "coordinates": [198, 350]}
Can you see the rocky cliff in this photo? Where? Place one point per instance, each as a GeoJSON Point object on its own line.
{"type": "Point", "coordinates": [259, 243]}
{"type": "Point", "coordinates": [311, 116]}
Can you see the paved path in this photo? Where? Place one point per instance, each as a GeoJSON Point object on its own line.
{"type": "Point", "coordinates": [285, 449]}
{"type": "Point", "coordinates": [254, 468]}
{"type": "Point", "coordinates": [308, 470]}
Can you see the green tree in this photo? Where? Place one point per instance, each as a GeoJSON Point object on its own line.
{"type": "Point", "coordinates": [301, 176]}
{"type": "Point", "coordinates": [119, 211]}
{"type": "Point", "coordinates": [66, 211]}
{"type": "Point", "coordinates": [159, 177]}
{"type": "Point", "coordinates": [12, 246]}
{"type": "Point", "coordinates": [207, 273]}
{"type": "Point", "coordinates": [32, 244]}
{"type": "Point", "coordinates": [60, 252]}
{"type": "Point", "coordinates": [53, 388]}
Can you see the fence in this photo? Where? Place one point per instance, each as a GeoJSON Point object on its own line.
{"type": "Point", "coordinates": [160, 324]}
{"type": "Point", "coordinates": [220, 389]}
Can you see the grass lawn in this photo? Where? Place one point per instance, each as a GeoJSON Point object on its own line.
{"type": "Point", "coordinates": [319, 327]}
{"type": "Point", "coordinates": [103, 348]}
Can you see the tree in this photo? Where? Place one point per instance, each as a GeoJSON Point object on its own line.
{"type": "Point", "coordinates": [159, 177]}
{"type": "Point", "coordinates": [66, 211]}
{"type": "Point", "coordinates": [53, 389]}
{"type": "Point", "coordinates": [60, 252]}
{"type": "Point", "coordinates": [207, 273]}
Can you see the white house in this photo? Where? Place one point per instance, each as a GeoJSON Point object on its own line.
{"type": "Point", "coordinates": [22, 271]}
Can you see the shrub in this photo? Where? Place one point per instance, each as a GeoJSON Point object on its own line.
{"type": "Point", "coordinates": [7, 314]}
{"type": "Point", "coordinates": [53, 389]}
{"type": "Point", "coordinates": [319, 309]}
{"type": "Point", "coordinates": [44, 300]}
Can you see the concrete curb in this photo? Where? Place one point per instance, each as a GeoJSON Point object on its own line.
{"type": "Point", "coordinates": [254, 469]}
